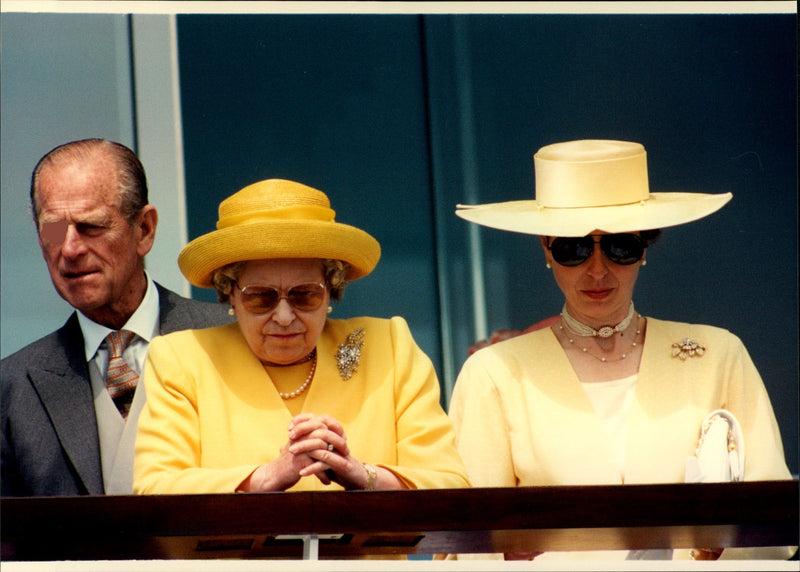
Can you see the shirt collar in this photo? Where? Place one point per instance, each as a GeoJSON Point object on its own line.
{"type": "Point", "coordinates": [143, 322]}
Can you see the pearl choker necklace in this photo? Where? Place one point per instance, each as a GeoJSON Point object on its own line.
{"type": "Point", "coordinates": [603, 358]}
{"type": "Point", "coordinates": [582, 329]}
{"type": "Point", "coordinates": [302, 388]}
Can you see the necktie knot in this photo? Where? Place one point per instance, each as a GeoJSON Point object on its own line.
{"type": "Point", "coordinates": [121, 379]}
{"type": "Point", "coordinates": [118, 341]}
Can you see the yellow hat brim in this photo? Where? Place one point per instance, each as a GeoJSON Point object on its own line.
{"type": "Point", "coordinates": [660, 210]}
{"type": "Point", "coordinates": [278, 239]}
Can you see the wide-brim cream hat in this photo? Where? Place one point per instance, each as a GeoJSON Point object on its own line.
{"type": "Point", "coordinates": [277, 219]}
{"type": "Point", "coordinates": [592, 184]}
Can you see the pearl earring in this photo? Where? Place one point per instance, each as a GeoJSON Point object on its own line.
{"type": "Point", "coordinates": [547, 265]}
{"type": "Point", "coordinates": [231, 311]}
{"type": "Point", "coordinates": [330, 309]}
{"type": "Point", "coordinates": [644, 262]}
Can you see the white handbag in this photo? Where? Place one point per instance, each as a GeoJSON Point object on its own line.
{"type": "Point", "coordinates": [719, 456]}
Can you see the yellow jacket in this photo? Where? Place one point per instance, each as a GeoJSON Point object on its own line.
{"type": "Point", "coordinates": [523, 419]}
{"type": "Point", "coordinates": [213, 415]}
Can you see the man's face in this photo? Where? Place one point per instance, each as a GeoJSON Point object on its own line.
{"type": "Point", "coordinates": [94, 255]}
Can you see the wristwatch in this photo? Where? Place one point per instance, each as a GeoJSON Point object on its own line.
{"type": "Point", "coordinates": [372, 474]}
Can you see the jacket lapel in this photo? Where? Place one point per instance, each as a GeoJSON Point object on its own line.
{"type": "Point", "coordinates": [62, 382]}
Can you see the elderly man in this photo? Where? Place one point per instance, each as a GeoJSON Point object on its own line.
{"type": "Point", "coordinates": [70, 400]}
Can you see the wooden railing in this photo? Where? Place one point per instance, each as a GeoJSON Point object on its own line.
{"type": "Point", "coordinates": [346, 524]}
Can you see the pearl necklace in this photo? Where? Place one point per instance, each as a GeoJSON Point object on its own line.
{"type": "Point", "coordinates": [582, 329]}
{"type": "Point", "coordinates": [603, 358]}
{"type": "Point", "coordinates": [302, 388]}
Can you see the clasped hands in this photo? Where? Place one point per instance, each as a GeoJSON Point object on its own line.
{"type": "Point", "coordinates": [316, 446]}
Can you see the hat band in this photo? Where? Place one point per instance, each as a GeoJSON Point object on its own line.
{"type": "Point", "coordinates": [576, 184]}
{"type": "Point", "coordinates": [294, 212]}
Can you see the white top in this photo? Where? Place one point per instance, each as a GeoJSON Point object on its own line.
{"type": "Point", "coordinates": [117, 436]}
{"type": "Point", "coordinates": [612, 401]}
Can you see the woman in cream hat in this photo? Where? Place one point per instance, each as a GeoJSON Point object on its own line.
{"type": "Point", "coordinates": [286, 398]}
{"type": "Point", "coordinates": [604, 395]}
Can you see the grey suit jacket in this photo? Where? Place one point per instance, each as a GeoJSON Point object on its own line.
{"type": "Point", "coordinates": [49, 430]}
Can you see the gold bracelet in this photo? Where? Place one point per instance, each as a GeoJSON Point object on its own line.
{"type": "Point", "coordinates": [372, 474]}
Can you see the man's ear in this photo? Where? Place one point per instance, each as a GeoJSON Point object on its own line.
{"type": "Point", "coordinates": [146, 223]}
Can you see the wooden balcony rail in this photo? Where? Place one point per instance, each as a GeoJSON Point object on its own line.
{"type": "Point", "coordinates": [346, 524]}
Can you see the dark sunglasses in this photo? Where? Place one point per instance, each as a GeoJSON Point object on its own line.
{"type": "Point", "coordinates": [624, 249]}
{"type": "Point", "coordinates": [262, 299]}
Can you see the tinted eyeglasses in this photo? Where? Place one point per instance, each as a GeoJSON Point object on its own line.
{"type": "Point", "coordinates": [262, 299]}
{"type": "Point", "coordinates": [624, 249]}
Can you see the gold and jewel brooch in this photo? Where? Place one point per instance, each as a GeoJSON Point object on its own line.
{"type": "Point", "coordinates": [349, 353]}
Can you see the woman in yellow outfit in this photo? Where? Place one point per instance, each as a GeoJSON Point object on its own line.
{"type": "Point", "coordinates": [605, 395]}
{"type": "Point", "coordinates": [287, 398]}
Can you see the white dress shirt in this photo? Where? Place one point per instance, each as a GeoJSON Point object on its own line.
{"type": "Point", "coordinates": [117, 435]}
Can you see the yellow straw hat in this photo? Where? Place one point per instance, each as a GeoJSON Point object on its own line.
{"type": "Point", "coordinates": [277, 219]}
{"type": "Point", "coordinates": [592, 184]}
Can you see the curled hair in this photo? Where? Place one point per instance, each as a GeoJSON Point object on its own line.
{"type": "Point", "coordinates": [650, 236]}
{"type": "Point", "coordinates": [224, 278]}
{"type": "Point", "coordinates": [130, 175]}
{"type": "Point", "coordinates": [334, 273]}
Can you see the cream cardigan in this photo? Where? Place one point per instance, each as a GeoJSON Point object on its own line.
{"type": "Point", "coordinates": [523, 419]}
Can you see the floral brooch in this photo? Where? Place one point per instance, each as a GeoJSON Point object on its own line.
{"type": "Point", "coordinates": [687, 347]}
{"type": "Point", "coordinates": [349, 353]}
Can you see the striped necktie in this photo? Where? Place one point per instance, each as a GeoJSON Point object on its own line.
{"type": "Point", "coordinates": [120, 377]}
